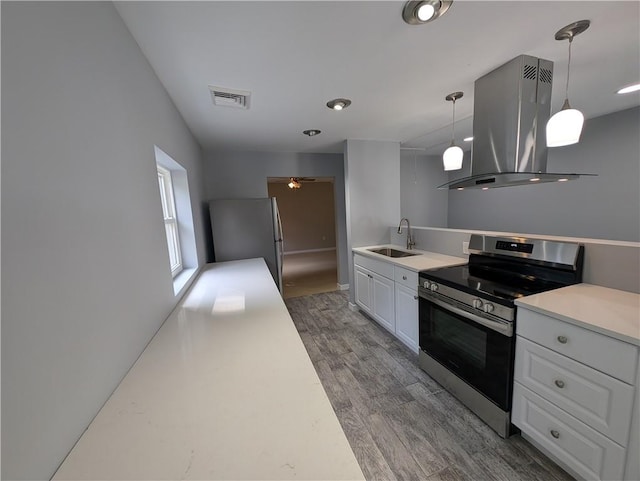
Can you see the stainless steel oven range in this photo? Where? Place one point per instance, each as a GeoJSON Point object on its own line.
{"type": "Point", "coordinates": [468, 316]}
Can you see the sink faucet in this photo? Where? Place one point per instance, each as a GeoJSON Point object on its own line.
{"type": "Point", "coordinates": [410, 242]}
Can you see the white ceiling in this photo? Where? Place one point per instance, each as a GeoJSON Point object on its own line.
{"type": "Point", "coordinates": [294, 56]}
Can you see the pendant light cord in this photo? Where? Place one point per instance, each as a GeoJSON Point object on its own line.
{"type": "Point", "coordinates": [453, 123]}
{"type": "Point", "coordinates": [566, 92]}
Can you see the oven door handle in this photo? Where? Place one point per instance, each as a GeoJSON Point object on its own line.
{"type": "Point", "coordinates": [502, 327]}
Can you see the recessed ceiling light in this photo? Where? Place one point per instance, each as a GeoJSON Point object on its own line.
{"type": "Point", "coordinates": [629, 88]}
{"type": "Point", "coordinates": [419, 12]}
{"type": "Point", "coordinates": [535, 179]}
{"type": "Point", "coordinates": [311, 132]}
{"type": "Point", "coordinates": [425, 12]}
{"type": "Point", "coordinates": [563, 180]}
{"type": "Point", "coordinates": [338, 104]}
{"type": "Point", "coordinates": [468, 139]}
{"type": "Point", "coordinates": [485, 188]}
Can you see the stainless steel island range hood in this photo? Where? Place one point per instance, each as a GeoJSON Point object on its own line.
{"type": "Point", "coordinates": [510, 111]}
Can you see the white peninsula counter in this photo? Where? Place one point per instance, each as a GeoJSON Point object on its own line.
{"type": "Point", "coordinates": [224, 390]}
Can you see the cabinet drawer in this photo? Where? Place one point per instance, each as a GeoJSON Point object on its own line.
{"type": "Point", "coordinates": [379, 267]}
{"type": "Point", "coordinates": [407, 277]}
{"type": "Point", "coordinates": [584, 450]}
{"type": "Point", "coordinates": [606, 354]}
{"type": "Point", "coordinates": [600, 401]}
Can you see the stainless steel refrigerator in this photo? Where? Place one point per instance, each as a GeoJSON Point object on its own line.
{"type": "Point", "coordinates": [248, 228]}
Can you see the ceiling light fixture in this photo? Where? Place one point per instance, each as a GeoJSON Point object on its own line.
{"type": "Point", "coordinates": [311, 132]}
{"type": "Point", "coordinates": [452, 157]}
{"type": "Point", "coordinates": [338, 104]}
{"type": "Point", "coordinates": [417, 13]}
{"type": "Point", "coordinates": [629, 88]}
{"type": "Point", "coordinates": [294, 183]}
{"type": "Point", "coordinates": [565, 127]}
{"type": "Point", "coordinates": [468, 139]}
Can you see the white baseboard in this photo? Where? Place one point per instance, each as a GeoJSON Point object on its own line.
{"type": "Point", "coordinates": [354, 307]}
{"type": "Point", "coordinates": [310, 250]}
{"type": "Point", "coordinates": [343, 287]}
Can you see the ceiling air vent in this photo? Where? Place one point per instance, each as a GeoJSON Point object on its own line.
{"type": "Point", "coordinates": [225, 97]}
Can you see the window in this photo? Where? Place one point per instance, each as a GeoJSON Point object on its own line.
{"type": "Point", "coordinates": [178, 220]}
{"type": "Point", "coordinates": [170, 219]}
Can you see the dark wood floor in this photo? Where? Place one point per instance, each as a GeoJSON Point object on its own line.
{"type": "Point", "coordinates": [400, 423]}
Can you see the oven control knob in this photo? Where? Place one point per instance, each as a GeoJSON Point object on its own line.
{"type": "Point", "coordinates": [488, 307]}
{"type": "Point", "coordinates": [433, 286]}
{"type": "Point", "coordinates": [477, 303]}
{"type": "Point", "coordinates": [426, 284]}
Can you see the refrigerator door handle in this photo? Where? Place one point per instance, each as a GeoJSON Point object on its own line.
{"type": "Point", "coordinates": [279, 244]}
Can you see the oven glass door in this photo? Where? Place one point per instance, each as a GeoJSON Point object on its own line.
{"type": "Point", "coordinates": [481, 356]}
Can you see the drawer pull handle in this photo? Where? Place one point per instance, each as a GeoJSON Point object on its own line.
{"type": "Point", "coordinates": [562, 339]}
{"type": "Point", "coordinates": [404, 278]}
{"type": "Point", "coordinates": [415, 297]}
{"type": "Point", "coordinates": [559, 383]}
{"type": "Point", "coordinates": [555, 433]}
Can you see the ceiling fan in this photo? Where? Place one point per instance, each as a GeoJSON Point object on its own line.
{"type": "Point", "coordinates": [293, 182]}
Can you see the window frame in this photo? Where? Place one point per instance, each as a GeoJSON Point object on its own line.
{"type": "Point", "coordinates": [165, 184]}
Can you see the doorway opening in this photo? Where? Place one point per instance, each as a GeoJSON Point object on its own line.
{"type": "Point", "coordinates": [307, 212]}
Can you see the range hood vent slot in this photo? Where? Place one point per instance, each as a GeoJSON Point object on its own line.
{"type": "Point", "coordinates": [546, 75]}
{"type": "Point", "coordinates": [530, 72]}
{"type": "Point", "coordinates": [225, 97]}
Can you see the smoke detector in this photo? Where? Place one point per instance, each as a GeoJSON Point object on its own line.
{"type": "Point", "coordinates": [225, 97]}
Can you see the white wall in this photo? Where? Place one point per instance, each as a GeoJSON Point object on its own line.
{"type": "Point", "coordinates": [237, 175]}
{"type": "Point", "coordinates": [372, 177]}
{"type": "Point", "coordinates": [603, 207]}
{"type": "Point", "coordinates": [85, 276]}
{"type": "Point", "coordinates": [420, 201]}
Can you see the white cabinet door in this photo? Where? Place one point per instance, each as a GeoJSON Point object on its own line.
{"type": "Point", "coordinates": [598, 400]}
{"type": "Point", "coordinates": [407, 315]}
{"type": "Point", "coordinates": [582, 449]}
{"type": "Point", "coordinates": [363, 289]}
{"type": "Point", "coordinates": [383, 303]}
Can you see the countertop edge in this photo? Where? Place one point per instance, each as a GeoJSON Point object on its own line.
{"type": "Point", "coordinates": [409, 262]}
{"type": "Point", "coordinates": [531, 303]}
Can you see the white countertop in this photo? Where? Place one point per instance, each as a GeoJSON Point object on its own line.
{"type": "Point", "coordinates": [608, 311]}
{"type": "Point", "coordinates": [224, 390]}
{"type": "Point", "coordinates": [424, 259]}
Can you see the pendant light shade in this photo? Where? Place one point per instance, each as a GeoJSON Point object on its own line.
{"type": "Point", "coordinates": [565, 126]}
{"type": "Point", "coordinates": [452, 157]}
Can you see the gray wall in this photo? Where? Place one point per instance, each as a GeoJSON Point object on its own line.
{"type": "Point", "coordinates": [85, 275]}
{"type": "Point", "coordinates": [420, 201]}
{"type": "Point", "coordinates": [372, 173]}
{"type": "Point", "coordinates": [236, 175]}
{"type": "Point", "coordinates": [614, 264]}
{"type": "Point", "coordinates": [603, 207]}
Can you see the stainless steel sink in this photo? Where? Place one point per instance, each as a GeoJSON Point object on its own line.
{"type": "Point", "coordinates": [390, 252]}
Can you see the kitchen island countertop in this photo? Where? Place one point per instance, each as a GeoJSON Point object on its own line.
{"type": "Point", "coordinates": [224, 390]}
{"type": "Point", "coordinates": [612, 312]}
{"type": "Point", "coordinates": [423, 260]}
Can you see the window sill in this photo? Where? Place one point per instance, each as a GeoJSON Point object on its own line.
{"type": "Point", "coordinates": [181, 281]}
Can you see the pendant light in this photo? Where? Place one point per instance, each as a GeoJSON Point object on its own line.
{"type": "Point", "coordinates": [565, 127]}
{"type": "Point", "coordinates": [452, 157]}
